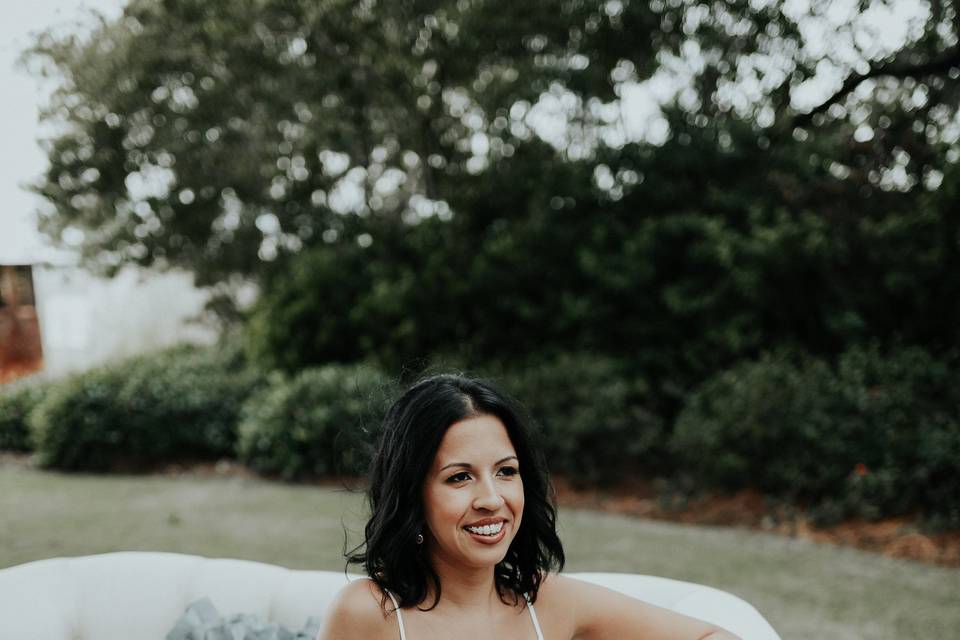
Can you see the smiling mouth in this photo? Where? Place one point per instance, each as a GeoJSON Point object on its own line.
{"type": "Point", "coordinates": [489, 530]}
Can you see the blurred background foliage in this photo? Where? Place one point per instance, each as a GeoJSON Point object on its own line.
{"type": "Point", "coordinates": [766, 264]}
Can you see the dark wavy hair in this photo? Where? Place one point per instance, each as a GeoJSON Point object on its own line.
{"type": "Point", "coordinates": [412, 430]}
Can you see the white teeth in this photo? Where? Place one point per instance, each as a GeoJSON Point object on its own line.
{"type": "Point", "coordinates": [487, 529]}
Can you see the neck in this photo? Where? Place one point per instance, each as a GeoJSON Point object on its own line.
{"type": "Point", "coordinates": [465, 587]}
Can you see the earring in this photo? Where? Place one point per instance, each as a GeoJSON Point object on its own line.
{"type": "Point", "coordinates": [419, 538]}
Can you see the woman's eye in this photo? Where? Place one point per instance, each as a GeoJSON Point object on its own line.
{"type": "Point", "coordinates": [509, 471]}
{"type": "Point", "coordinates": [458, 477]}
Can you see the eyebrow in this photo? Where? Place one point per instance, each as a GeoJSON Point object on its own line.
{"type": "Point", "coordinates": [470, 466]}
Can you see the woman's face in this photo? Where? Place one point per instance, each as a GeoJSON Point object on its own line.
{"type": "Point", "coordinates": [473, 494]}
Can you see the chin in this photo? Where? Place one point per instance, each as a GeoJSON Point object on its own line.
{"type": "Point", "coordinates": [486, 557]}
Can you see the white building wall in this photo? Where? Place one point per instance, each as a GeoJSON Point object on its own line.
{"type": "Point", "coordinates": [86, 320]}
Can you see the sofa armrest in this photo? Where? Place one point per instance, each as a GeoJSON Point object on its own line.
{"type": "Point", "coordinates": [695, 600]}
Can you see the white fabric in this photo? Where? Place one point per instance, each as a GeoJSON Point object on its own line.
{"type": "Point", "coordinates": [396, 605]}
{"type": "Point", "coordinates": [139, 596]}
{"type": "Point", "coordinates": [533, 614]}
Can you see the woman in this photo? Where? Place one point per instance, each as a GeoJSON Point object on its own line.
{"type": "Point", "coordinates": [462, 539]}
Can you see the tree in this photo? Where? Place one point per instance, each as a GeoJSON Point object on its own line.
{"type": "Point", "coordinates": [216, 136]}
{"type": "Point", "coordinates": [467, 174]}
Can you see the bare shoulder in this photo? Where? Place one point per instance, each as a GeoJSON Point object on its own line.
{"type": "Point", "coordinates": [359, 596]}
{"type": "Point", "coordinates": [590, 611]}
{"type": "Point", "coordinates": [562, 592]}
{"type": "Point", "coordinates": [565, 596]}
{"type": "Point", "coordinates": [356, 611]}
{"type": "Point", "coordinates": [556, 605]}
{"type": "Point", "coordinates": [559, 589]}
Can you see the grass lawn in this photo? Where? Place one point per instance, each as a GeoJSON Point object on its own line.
{"type": "Point", "coordinates": [805, 590]}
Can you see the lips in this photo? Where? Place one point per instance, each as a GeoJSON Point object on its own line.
{"type": "Point", "coordinates": [486, 521]}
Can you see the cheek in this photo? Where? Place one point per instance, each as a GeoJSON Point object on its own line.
{"type": "Point", "coordinates": [517, 500]}
{"type": "Point", "coordinates": [442, 508]}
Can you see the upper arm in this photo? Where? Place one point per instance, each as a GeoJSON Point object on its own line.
{"type": "Point", "coordinates": [354, 613]}
{"type": "Point", "coordinates": [604, 614]}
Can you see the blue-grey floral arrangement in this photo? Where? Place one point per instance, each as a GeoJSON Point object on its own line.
{"type": "Point", "coordinates": [201, 621]}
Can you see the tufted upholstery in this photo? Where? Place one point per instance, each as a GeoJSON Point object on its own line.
{"type": "Point", "coordinates": [138, 596]}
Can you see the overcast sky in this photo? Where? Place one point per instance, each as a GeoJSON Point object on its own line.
{"type": "Point", "coordinates": [21, 159]}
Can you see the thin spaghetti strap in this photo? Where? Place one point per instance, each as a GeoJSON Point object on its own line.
{"type": "Point", "coordinates": [533, 614]}
{"type": "Point", "coordinates": [403, 635]}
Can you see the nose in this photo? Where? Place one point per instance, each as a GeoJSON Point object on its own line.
{"type": "Point", "coordinates": [487, 497]}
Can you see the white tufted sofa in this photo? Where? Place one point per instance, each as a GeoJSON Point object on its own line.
{"type": "Point", "coordinates": [139, 596]}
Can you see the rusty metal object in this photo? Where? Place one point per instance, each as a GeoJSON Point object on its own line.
{"type": "Point", "coordinates": [21, 350]}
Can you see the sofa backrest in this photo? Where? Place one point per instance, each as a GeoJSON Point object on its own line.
{"type": "Point", "coordinates": [139, 596]}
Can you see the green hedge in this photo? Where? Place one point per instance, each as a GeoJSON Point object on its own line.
{"type": "Point", "coordinates": [320, 422]}
{"type": "Point", "coordinates": [179, 404]}
{"type": "Point", "coordinates": [16, 402]}
{"type": "Point", "coordinates": [594, 418]}
{"type": "Point", "coordinates": [874, 435]}
{"type": "Point", "coordinates": [598, 420]}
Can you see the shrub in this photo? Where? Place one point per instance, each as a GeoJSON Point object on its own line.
{"type": "Point", "coordinates": [767, 425]}
{"type": "Point", "coordinates": [876, 434]}
{"type": "Point", "coordinates": [79, 426]}
{"type": "Point", "coordinates": [16, 403]}
{"type": "Point", "coordinates": [911, 402]}
{"type": "Point", "coordinates": [322, 421]}
{"type": "Point", "coordinates": [178, 404]}
{"type": "Point", "coordinates": [597, 419]}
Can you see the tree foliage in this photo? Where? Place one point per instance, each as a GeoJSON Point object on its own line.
{"type": "Point", "coordinates": [411, 177]}
{"type": "Point", "coordinates": [215, 136]}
